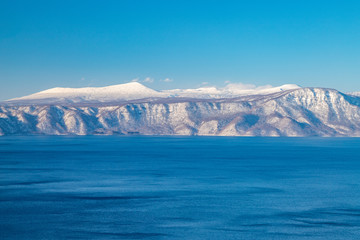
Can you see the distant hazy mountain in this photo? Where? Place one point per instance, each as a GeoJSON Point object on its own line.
{"type": "Point", "coordinates": [231, 111]}
{"type": "Point", "coordinates": [354, 94]}
{"type": "Point", "coordinates": [121, 92]}
{"type": "Point", "coordinates": [137, 91]}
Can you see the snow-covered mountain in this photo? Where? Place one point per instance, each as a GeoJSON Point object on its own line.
{"type": "Point", "coordinates": [121, 92]}
{"type": "Point", "coordinates": [137, 91]}
{"type": "Point", "coordinates": [286, 112]}
{"type": "Point", "coordinates": [354, 94]}
{"type": "Point", "coordinates": [229, 91]}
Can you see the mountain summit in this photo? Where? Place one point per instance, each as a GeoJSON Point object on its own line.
{"type": "Point", "coordinates": [120, 92]}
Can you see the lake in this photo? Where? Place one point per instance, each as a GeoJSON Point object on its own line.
{"type": "Point", "coordinates": [140, 187]}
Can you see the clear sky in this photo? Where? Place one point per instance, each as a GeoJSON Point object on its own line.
{"type": "Point", "coordinates": [46, 44]}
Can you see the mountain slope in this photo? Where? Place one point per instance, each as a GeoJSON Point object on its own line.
{"type": "Point", "coordinates": [297, 112]}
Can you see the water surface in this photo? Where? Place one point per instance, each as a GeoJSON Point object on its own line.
{"type": "Point", "coordinates": [136, 187]}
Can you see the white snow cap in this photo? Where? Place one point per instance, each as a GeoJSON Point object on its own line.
{"type": "Point", "coordinates": [136, 90]}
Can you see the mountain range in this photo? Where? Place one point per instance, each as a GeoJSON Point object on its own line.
{"type": "Point", "coordinates": [235, 110]}
{"type": "Point", "coordinates": [137, 91]}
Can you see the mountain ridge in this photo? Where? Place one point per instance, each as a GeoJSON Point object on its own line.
{"type": "Point", "coordinates": [136, 91]}
{"type": "Point", "coordinates": [297, 112]}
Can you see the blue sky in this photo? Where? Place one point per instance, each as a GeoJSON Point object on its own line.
{"type": "Point", "coordinates": [45, 44]}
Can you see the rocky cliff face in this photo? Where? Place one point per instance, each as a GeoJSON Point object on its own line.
{"type": "Point", "coordinates": [299, 112]}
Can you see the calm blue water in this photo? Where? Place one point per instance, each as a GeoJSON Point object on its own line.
{"type": "Point", "coordinates": [179, 188]}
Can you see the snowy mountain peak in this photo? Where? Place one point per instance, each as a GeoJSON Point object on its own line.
{"type": "Point", "coordinates": [137, 91]}
{"type": "Point", "coordinates": [120, 92]}
{"type": "Point", "coordinates": [289, 87]}
{"type": "Point", "coordinates": [133, 87]}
